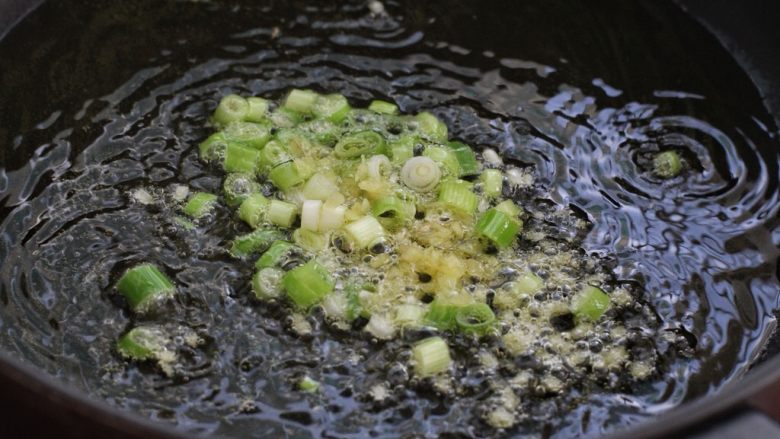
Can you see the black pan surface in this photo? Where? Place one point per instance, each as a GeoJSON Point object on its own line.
{"type": "Point", "coordinates": [80, 99]}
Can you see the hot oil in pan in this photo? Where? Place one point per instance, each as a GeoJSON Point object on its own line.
{"type": "Point", "coordinates": [113, 97]}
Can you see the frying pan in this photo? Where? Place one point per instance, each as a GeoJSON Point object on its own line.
{"type": "Point", "coordinates": [31, 403]}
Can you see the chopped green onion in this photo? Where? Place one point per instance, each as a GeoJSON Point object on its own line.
{"type": "Point", "coordinates": [590, 303]}
{"type": "Point", "coordinates": [184, 222]}
{"type": "Point", "coordinates": [380, 327]}
{"type": "Point", "coordinates": [231, 108]}
{"type": "Point", "coordinates": [333, 107]}
{"type": "Point", "coordinates": [442, 315]}
{"type": "Point", "coordinates": [301, 101]}
{"type": "Point", "coordinates": [143, 286]}
{"type": "Point", "coordinates": [667, 164]}
{"type": "Point", "coordinates": [378, 165]}
{"type": "Point", "coordinates": [200, 204]}
{"type": "Point", "coordinates": [282, 213]}
{"type": "Point", "coordinates": [477, 319]}
{"type": "Point", "coordinates": [409, 315]}
{"type": "Point", "coordinates": [365, 232]}
{"type": "Point", "coordinates": [319, 187]}
{"type": "Point", "coordinates": [359, 144]}
{"type": "Point", "coordinates": [284, 118]}
{"type": "Point", "coordinates": [253, 208]}
{"type": "Point", "coordinates": [307, 284]}
{"type": "Point", "coordinates": [285, 176]}
{"type": "Point", "coordinates": [498, 227]}
{"type": "Point", "coordinates": [331, 217]}
{"type": "Point", "coordinates": [431, 356]}
{"type": "Point", "coordinates": [250, 134]}
{"type": "Point", "coordinates": [310, 215]}
{"type": "Point", "coordinates": [238, 186]}
{"type": "Point", "coordinates": [527, 283]}
{"type": "Point", "coordinates": [420, 174]}
{"type": "Point", "coordinates": [402, 149]}
{"type": "Point", "coordinates": [143, 343]}
{"type": "Point", "coordinates": [492, 182]}
{"type": "Point", "coordinates": [383, 107]}
{"type": "Point", "coordinates": [213, 148]}
{"type": "Point", "coordinates": [258, 109]}
{"type": "Point", "coordinates": [392, 211]}
{"type": "Point", "coordinates": [512, 210]}
{"type": "Point", "coordinates": [309, 240]}
{"type": "Point", "coordinates": [277, 255]}
{"type": "Point", "coordinates": [294, 142]}
{"type": "Point", "coordinates": [272, 155]}
{"type": "Point", "coordinates": [457, 195]}
{"type": "Point", "coordinates": [267, 283]}
{"type": "Point", "coordinates": [321, 131]}
{"type": "Point", "coordinates": [241, 158]}
{"type": "Point", "coordinates": [466, 158]}
{"type": "Point", "coordinates": [254, 242]}
{"type": "Point", "coordinates": [354, 306]}
{"type": "Point", "coordinates": [431, 127]}
{"type": "Point", "coordinates": [445, 157]}
{"type": "Point", "coordinates": [306, 384]}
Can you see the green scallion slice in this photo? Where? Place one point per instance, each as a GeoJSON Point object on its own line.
{"type": "Point", "coordinates": [307, 284]}
{"type": "Point", "coordinates": [590, 303]}
{"type": "Point", "coordinates": [477, 319]}
{"type": "Point", "coordinates": [498, 227]}
{"type": "Point", "coordinates": [363, 143]}
{"type": "Point", "coordinates": [492, 182]}
{"type": "Point", "coordinates": [301, 101]}
{"type": "Point", "coordinates": [442, 315]}
{"type": "Point", "coordinates": [241, 158]}
{"type": "Point", "coordinates": [143, 286]}
{"type": "Point", "coordinates": [431, 356]}
{"type": "Point", "coordinates": [333, 108]}
{"type": "Point", "coordinates": [308, 385]}
{"type": "Point", "coordinates": [365, 232]}
{"type": "Point", "coordinates": [457, 195]}
{"type": "Point", "coordinates": [253, 209]}
{"type": "Point", "coordinates": [254, 135]}
{"type": "Point", "coordinates": [431, 127]}
{"type": "Point", "coordinates": [391, 209]}
{"type": "Point", "coordinates": [466, 158]}
{"type": "Point", "coordinates": [237, 187]}
{"type": "Point", "coordinates": [402, 149]}
{"type": "Point", "coordinates": [285, 176]}
{"type": "Point", "coordinates": [282, 213]}
{"type": "Point", "coordinates": [200, 204]}
{"type": "Point", "coordinates": [213, 148]}
{"type": "Point", "coordinates": [277, 255]}
{"type": "Point", "coordinates": [143, 343]}
{"type": "Point", "coordinates": [273, 154]}
{"type": "Point", "coordinates": [445, 157]}
{"type": "Point", "coordinates": [667, 164]}
{"type": "Point", "coordinates": [258, 110]}
{"type": "Point", "coordinates": [231, 108]}
{"type": "Point", "coordinates": [254, 242]}
{"type": "Point", "coordinates": [383, 107]}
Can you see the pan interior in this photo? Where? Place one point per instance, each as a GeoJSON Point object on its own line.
{"type": "Point", "coordinates": [101, 98]}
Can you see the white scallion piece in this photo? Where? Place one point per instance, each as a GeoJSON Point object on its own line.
{"type": "Point", "coordinates": [310, 215]}
{"type": "Point", "coordinates": [380, 327]}
{"type": "Point", "coordinates": [492, 157]}
{"type": "Point", "coordinates": [378, 165]}
{"type": "Point", "coordinates": [319, 187]}
{"type": "Point", "coordinates": [421, 174]}
{"type": "Point", "coordinates": [142, 196]}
